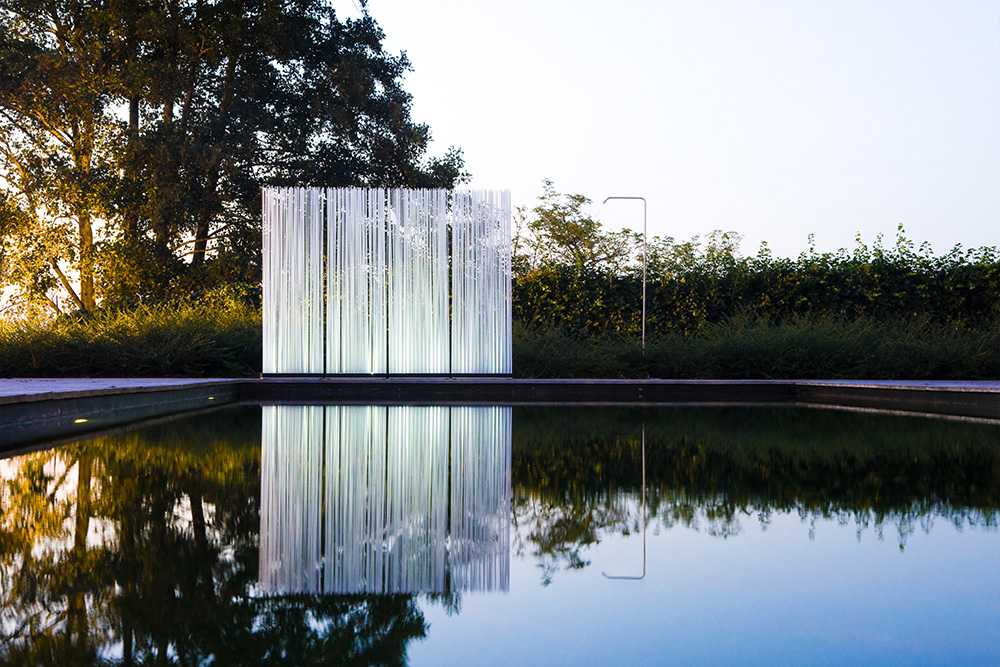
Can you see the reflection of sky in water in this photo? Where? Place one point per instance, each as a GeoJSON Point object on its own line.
{"type": "Point", "coordinates": [765, 597]}
{"type": "Point", "coordinates": [171, 549]}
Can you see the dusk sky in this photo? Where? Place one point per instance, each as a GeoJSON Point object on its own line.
{"type": "Point", "coordinates": [771, 119]}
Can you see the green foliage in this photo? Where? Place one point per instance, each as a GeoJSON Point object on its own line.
{"type": "Point", "coordinates": [170, 575]}
{"type": "Point", "coordinates": [572, 276]}
{"type": "Point", "coordinates": [755, 455]}
{"type": "Point", "coordinates": [872, 313]}
{"type": "Point", "coordinates": [216, 335]}
{"type": "Point", "coordinates": [749, 347]}
{"type": "Point", "coordinates": [709, 468]}
{"type": "Point", "coordinates": [551, 353]}
{"type": "Point", "coordinates": [560, 233]}
{"type": "Point", "coordinates": [173, 581]}
{"type": "Point", "coordinates": [219, 335]}
{"type": "Point", "coordinates": [58, 142]}
{"type": "Point", "coordinates": [690, 288]}
{"type": "Point", "coordinates": [135, 137]}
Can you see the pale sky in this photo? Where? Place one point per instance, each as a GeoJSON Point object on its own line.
{"type": "Point", "coordinates": [771, 119]}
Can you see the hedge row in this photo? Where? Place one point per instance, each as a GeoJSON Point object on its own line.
{"type": "Point", "coordinates": [962, 287]}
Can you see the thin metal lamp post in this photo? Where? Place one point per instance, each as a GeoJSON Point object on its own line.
{"type": "Point", "coordinates": [643, 264]}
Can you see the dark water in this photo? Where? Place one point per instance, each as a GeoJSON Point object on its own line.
{"type": "Point", "coordinates": [762, 536]}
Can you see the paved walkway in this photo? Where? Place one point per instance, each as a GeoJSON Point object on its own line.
{"type": "Point", "coordinates": [978, 385]}
{"type": "Point", "coordinates": [33, 410]}
{"type": "Point", "coordinates": [41, 389]}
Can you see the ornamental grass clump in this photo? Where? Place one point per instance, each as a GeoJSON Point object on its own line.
{"type": "Point", "coordinates": [750, 347]}
{"type": "Point", "coordinates": [217, 335]}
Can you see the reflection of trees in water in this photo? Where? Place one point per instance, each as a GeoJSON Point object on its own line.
{"type": "Point", "coordinates": [144, 548]}
{"type": "Point", "coordinates": [718, 471]}
{"type": "Point", "coordinates": [141, 550]}
{"type": "Point", "coordinates": [559, 535]}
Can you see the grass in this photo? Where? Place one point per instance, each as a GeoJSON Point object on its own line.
{"type": "Point", "coordinates": [220, 336]}
{"type": "Point", "coordinates": [752, 348]}
{"type": "Point", "coordinates": [217, 336]}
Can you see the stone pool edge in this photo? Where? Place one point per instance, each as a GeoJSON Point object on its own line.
{"type": "Point", "coordinates": [34, 411]}
{"type": "Point", "coordinates": [38, 411]}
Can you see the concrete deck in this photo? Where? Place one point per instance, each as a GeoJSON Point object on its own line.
{"type": "Point", "coordinates": [35, 410]}
{"type": "Point", "coordinates": [44, 389]}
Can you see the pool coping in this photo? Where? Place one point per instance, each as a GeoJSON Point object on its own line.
{"type": "Point", "coordinates": [39, 410]}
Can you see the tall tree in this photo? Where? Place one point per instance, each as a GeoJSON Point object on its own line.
{"type": "Point", "coordinates": [186, 108]}
{"type": "Point", "coordinates": [58, 139]}
{"type": "Point", "coordinates": [559, 231]}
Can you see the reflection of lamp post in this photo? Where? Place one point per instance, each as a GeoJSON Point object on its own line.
{"type": "Point", "coordinates": [643, 264]}
{"type": "Point", "coordinates": [643, 575]}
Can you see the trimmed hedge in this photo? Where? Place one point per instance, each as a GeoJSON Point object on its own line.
{"type": "Point", "coordinates": [962, 287]}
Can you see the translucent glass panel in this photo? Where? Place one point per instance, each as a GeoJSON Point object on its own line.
{"type": "Point", "coordinates": [292, 437]}
{"type": "Point", "coordinates": [293, 280]}
{"type": "Point", "coordinates": [480, 500]}
{"type": "Point", "coordinates": [379, 499]}
{"type": "Point", "coordinates": [480, 294]}
{"type": "Point", "coordinates": [418, 284]}
{"type": "Point", "coordinates": [357, 281]}
{"type": "Point", "coordinates": [386, 281]}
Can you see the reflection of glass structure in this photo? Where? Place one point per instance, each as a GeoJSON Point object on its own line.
{"type": "Point", "coordinates": [377, 499]}
{"type": "Point", "coordinates": [386, 281]}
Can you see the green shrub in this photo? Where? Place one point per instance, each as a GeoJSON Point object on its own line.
{"type": "Point", "coordinates": [217, 335]}
{"type": "Point", "coordinates": [962, 287]}
{"type": "Point", "coordinates": [750, 347]}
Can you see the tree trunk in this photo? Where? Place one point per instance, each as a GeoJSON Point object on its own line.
{"type": "Point", "coordinates": [87, 293]}
{"type": "Point", "coordinates": [77, 625]}
{"type": "Point", "coordinates": [129, 573]}
{"type": "Point", "coordinates": [82, 155]}
{"type": "Point", "coordinates": [66, 285]}
{"type": "Point", "coordinates": [131, 215]}
{"type": "Point", "coordinates": [205, 560]}
{"type": "Point", "coordinates": [205, 219]}
{"type": "Point", "coordinates": [209, 203]}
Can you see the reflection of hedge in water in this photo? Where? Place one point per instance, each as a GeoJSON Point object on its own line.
{"type": "Point", "coordinates": [773, 459]}
{"type": "Point", "coordinates": [174, 578]}
{"type": "Point", "coordinates": [577, 475]}
{"type": "Point", "coordinates": [180, 504]}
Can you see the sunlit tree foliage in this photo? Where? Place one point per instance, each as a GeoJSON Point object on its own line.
{"type": "Point", "coordinates": [135, 136]}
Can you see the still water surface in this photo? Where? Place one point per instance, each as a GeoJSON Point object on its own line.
{"type": "Point", "coordinates": [425, 536]}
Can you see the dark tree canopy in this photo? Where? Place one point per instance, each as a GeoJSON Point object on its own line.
{"type": "Point", "coordinates": [135, 135]}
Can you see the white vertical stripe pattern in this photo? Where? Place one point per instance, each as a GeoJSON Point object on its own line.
{"type": "Point", "coordinates": [376, 499]}
{"type": "Point", "coordinates": [481, 283]}
{"type": "Point", "coordinates": [481, 501]}
{"type": "Point", "coordinates": [294, 452]}
{"type": "Point", "coordinates": [418, 289]}
{"type": "Point", "coordinates": [293, 280]}
{"type": "Point", "coordinates": [356, 281]}
{"type": "Point", "coordinates": [382, 259]}
{"type": "Point", "coordinates": [416, 499]}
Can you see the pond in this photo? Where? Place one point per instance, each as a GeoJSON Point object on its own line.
{"type": "Point", "coordinates": [329, 535]}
